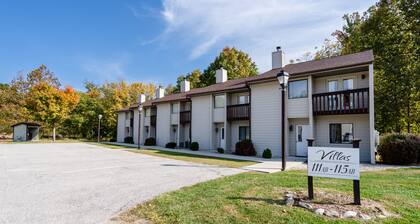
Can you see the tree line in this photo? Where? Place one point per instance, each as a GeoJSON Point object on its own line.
{"type": "Point", "coordinates": [39, 96]}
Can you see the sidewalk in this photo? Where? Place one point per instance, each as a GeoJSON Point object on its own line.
{"type": "Point", "coordinates": [263, 165]}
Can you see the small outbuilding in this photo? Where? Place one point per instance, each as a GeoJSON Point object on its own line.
{"type": "Point", "coordinates": [25, 131]}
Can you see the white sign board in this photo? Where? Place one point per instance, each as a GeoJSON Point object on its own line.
{"type": "Point", "coordinates": [334, 162]}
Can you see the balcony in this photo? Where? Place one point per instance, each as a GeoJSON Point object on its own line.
{"type": "Point", "coordinates": [185, 117]}
{"type": "Point", "coordinates": [153, 120]}
{"type": "Point", "coordinates": [355, 101]}
{"type": "Point", "coordinates": [238, 112]}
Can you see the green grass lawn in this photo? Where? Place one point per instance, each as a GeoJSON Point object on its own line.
{"type": "Point", "coordinates": [185, 157]}
{"type": "Point", "coordinates": [254, 197]}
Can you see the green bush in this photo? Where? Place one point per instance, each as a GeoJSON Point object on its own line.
{"type": "Point", "coordinates": [245, 148]}
{"type": "Point", "coordinates": [150, 141]}
{"type": "Point", "coordinates": [194, 146]}
{"type": "Point", "coordinates": [170, 145]}
{"type": "Point", "coordinates": [267, 153]}
{"type": "Point", "coordinates": [220, 150]}
{"type": "Point", "coordinates": [399, 149]}
{"type": "Point", "coordinates": [129, 140]}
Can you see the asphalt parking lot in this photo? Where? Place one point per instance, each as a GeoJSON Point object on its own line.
{"type": "Point", "coordinates": [83, 183]}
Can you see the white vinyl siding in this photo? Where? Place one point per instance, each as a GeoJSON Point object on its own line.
{"type": "Point", "coordinates": [266, 117]}
{"type": "Point", "coordinates": [321, 83]}
{"type": "Point", "coordinates": [163, 123]}
{"type": "Point", "coordinates": [360, 131]}
{"type": "Point", "coordinates": [201, 120]}
{"type": "Point", "coordinates": [121, 127]}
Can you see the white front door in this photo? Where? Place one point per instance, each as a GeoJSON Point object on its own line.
{"type": "Point", "coordinates": [302, 134]}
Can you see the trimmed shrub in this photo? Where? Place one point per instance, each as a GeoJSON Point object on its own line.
{"type": "Point", "coordinates": [267, 153]}
{"type": "Point", "coordinates": [245, 148]}
{"type": "Point", "coordinates": [170, 145]}
{"type": "Point", "coordinates": [220, 150]}
{"type": "Point", "coordinates": [128, 140]}
{"type": "Point", "coordinates": [150, 141]}
{"type": "Point", "coordinates": [399, 149]}
{"type": "Point", "coordinates": [113, 139]}
{"type": "Point", "coordinates": [194, 146]}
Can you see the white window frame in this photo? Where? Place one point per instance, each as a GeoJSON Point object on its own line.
{"type": "Point", "coordinates": [298, 80]}
{"type": "Point", "coordinates": [224, 102]}
{"type": "Point", "coordinates": [341, 135]}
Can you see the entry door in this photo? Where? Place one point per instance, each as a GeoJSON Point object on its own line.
{"type": "Point", "coordinates": [302, 134]}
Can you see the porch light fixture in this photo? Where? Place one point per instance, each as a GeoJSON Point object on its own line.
{"type": "Point", "coordinates": [283, 78]}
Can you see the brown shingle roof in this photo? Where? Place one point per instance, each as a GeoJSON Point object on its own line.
{"type": "Point", "coordinates": [343, 61]}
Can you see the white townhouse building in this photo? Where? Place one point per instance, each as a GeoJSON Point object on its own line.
{"type": "Point", "coordinates": [328, 100]}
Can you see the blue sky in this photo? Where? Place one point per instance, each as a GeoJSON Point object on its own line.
{"type": "Point", "coordinates": [155, 41]}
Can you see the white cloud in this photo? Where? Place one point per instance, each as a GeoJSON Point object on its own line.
{"type": "Point", "coordinates": [256, 27]}
{"type": "Point", "coordinates": [105, 69]}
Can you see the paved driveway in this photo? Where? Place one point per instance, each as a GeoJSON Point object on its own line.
{"type": "Point", "coordinates": [82, 183]}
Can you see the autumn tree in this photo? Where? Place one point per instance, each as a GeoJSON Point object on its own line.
{"type": "Point", "coordinates": [43, 99]}
{"type": "Point", "coordinates": [193, 77]}
{"type": "Point", "coordinates": [12, 108]}
{"type": "Point", "coordinates": [237, 63]}
{"type": "Point", "coordinates": [391, 29]}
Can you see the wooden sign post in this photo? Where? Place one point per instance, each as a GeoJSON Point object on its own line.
{"type": "Point", "coordinates": [332, 162]}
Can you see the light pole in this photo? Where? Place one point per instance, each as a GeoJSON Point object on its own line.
{"type": "Point", "coordinates": [138, 132]}
{"type": "Point", "coordinates": [99, 127]}
{"type": "Point", "coordinates": [283, 78]}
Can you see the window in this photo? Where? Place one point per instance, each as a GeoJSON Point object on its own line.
{"type": "Point", "coordinates": [223, 133]}
{"type": "Point", "coordinates": [148, 112]}
{"type": "Point", "coordinates": [347, 84]}
{"type": "Point", "coordinates": [243, 133]}
{"type": "Point", "coordinates": [219, 101]}
{"type": "Point", "coordinates": [299, 133]}
{"type": "Point", "coordinates": [298, 89]}
{"type": "Point", "coordinates": [174, 108]}
{"type": "Point", "coordinates": [243, 99]}
{"type": "Point", "coordinates": [332, 86]}
{"type": "Point", "coordinates": [341, 133]}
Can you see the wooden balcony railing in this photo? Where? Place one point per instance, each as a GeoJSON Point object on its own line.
{"type": "Point", "coordinates": [355, 101]}
{"type": "Point", "coordinates": [185, 117]}
{"type": "Point", "coordinates": [153, 120]}
{"type": "Point", "coordinates": [238, 112]}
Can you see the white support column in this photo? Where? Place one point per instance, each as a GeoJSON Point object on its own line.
{"type": "Point", "coordinates": [371, 115]}
{"type": "Point", "coordinates": [310, 112]}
